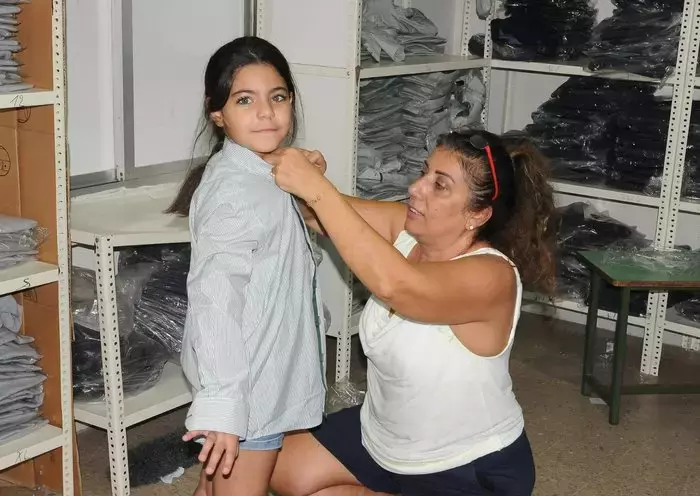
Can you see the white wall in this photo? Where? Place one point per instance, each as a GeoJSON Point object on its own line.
{"type": "Point", "coordinates": [171, 44]}
{"type": "Point", "coordinates": [90, 86]}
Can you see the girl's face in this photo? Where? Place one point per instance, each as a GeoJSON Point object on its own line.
{"type": "Point", "coordinates": [258, 113]}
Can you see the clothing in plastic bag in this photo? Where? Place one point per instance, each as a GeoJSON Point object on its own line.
{"type": "Point", "coordinates": [142, 357]}
{"type": "Point", "coordinates": [160, 312]}
{"type": "Point", "coordinates": [539, 29]}
{"type": "Point", "coordinates": [19, 240]}
{"type": "Point", "coordinates": [580, 227]}
{"type": "Point", "coordinates": [690, 308]}
{"type": "Point", "coordinates": [576, 127]}
{"type": "Point", "coordinates": [641, 39]}
{"type": "Point", "coordinates": [10, 77]}
{"type": "Point", "coordinates": [21, 379]}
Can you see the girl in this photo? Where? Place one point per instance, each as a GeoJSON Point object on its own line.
{"type": "Point", "coordinates": [252, 347]}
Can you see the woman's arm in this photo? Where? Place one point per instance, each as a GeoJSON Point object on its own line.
{"type": "Point", "coordinates": [431, 292]}
{"type": "Point", "coordinates": [387, 218]}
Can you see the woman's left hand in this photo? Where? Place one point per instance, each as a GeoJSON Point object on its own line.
{"type": "Point", "coordinates": [295, 173]}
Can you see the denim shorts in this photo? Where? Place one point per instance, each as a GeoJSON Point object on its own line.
{"type": "Point", "coordinates": [270, 442]}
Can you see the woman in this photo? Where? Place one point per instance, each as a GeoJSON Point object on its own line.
{"type": "Point", "coordinates": [439, 416]}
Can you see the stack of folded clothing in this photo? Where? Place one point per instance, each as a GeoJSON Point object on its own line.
{"type": "Point", "coordinates": [21, 379]}
{"type": "Point", "coordinates": [640, 147]}
{"type": "Point", "coordinates": [575, 128]}
{"type": "Point", "coordinates": [19, 240]}
{"type": "Point", "coordinates": [390, 31]}
{"type": "Point", "coordinates": [540, 30]}
{"type": "Point", "coordinates": [640, 37]}
{"type": "Point", "coordinates": [380, 138]}
{"type": "Point", "coordinates": [10, 77]}
{"type": "Point", "coordinates": [400, 120]}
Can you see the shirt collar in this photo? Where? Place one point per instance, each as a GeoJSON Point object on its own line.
{"type": "Point", "coordinates": [246, 158]}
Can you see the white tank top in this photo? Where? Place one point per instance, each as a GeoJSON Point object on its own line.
{"type": "Point", "coordinates": [431, 404]}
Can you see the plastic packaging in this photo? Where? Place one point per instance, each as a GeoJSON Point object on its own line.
{"type": "Point", "coordinates": [343, 394]}
{"type": "Point", "coordinates": [576, 127]}
{"type": "Point", "coordinates": [11, 79]}
{"type": "Point", "coordinates": [637, 39]}
{"type": "Point", "coordinates": [658, 261]}
{"type": "Point", "coordinates": [609, 133]}
{"type": "Point", "coordinates": [160, 312]}
{"type": "Point", "coordinates": [129, 286]}
{"type": "Point", "coordinates": [142, 357]}
{"type": "Point", "coordinates": [539, 29]}
{"type": "Point", "coordinates": [142, 363]}
{"type": "Point", "coordinates": [690, 308]}
{"type": "Point", "coordinates": [581, 227]}
{"type": "Point", "coordinates": [19, 240]}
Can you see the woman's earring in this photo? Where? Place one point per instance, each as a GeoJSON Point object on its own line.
{"type": "Point", "coordinates": [471, 228]}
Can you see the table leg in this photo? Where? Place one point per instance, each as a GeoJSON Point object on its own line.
{"type": "Point", "coordinates": [591, 328]}
{"type": "Point", "coordinates": [619, 355]}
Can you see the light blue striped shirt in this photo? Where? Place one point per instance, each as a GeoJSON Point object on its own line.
{"type": "Point", "coordinates": [253, 347]}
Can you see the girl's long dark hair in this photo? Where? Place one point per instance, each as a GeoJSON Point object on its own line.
{"type": "Point", "coordinates": [218, 79]}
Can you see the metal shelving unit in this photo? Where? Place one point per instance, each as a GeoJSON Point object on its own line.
{"type": "Point", "coordinates": [668, 204]}
{"type": "Point", "coordinates": [33, 184]}
{"type": "Point", "coordinates": [328, 76]}
{"type": "Point", "coordinates": [104, 222]}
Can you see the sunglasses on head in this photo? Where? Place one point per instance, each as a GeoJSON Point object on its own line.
{"type": "Point", "coordinates": [480, 143]}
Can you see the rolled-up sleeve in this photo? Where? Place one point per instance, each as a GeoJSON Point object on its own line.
{"type": "Point", "coordinates": [225, 234]}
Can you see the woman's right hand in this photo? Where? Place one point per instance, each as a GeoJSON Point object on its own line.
{"type": "Point", "coordinates": [316, 158]}
{"type": "Point", "coordinates": [216, 446]}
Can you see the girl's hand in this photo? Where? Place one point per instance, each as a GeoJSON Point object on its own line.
{"type": "Point", "coordinates": [295, 173]}
{"type": "Point", "coordinates": [216, 445]}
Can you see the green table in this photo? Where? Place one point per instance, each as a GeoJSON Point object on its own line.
{"type": "Point", "coordinates": [627, 271]}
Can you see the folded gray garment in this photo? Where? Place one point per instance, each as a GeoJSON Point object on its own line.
{"type": "Point", "coordinates": [11, 351]}
{"type": "Point", "coordinates": [10, 316]}
{"type": "Point", "coordinates": [15, 432]}
{"type": "Point", "coordinates": [9, 9]}
{"type": "Point", "coordinates": [7, 336]}
{"type": "Point", "coordinates": [8, 388]}
{"type": "Point", "coordinates": [30, 398]}
{"type": "Point", "coordinates": [18, 367]}
{"type": "Point", "coordinates": [26, 395]}
{"type": "Point", "coordinates": [11, 224]}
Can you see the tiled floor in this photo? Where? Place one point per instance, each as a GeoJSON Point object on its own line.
{"type": "Point", "coordinates": [654, 451]}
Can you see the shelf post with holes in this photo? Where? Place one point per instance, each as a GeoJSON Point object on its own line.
{"type": "Point", "coordinates": [105, 222]}
{"type": "Point", "coordinates": [676, 147]}
{"type": "Point", "coordinates": [664, 206]}
{"type": "Point", "coordinates": [33, 186]}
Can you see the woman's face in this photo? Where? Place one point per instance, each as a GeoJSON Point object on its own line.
{"type": "Point", "coordinates": [437, 206]}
